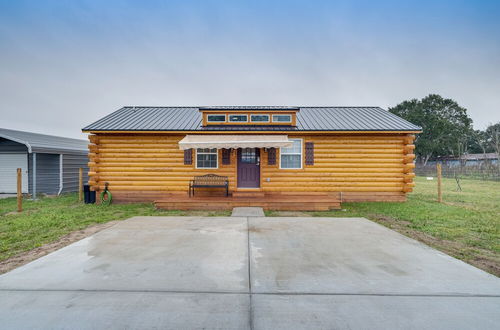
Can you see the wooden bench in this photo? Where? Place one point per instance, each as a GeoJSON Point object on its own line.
{"type": "Point", "coordinates": [209, 181]}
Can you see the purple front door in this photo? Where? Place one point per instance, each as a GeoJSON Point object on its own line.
{"type": "Point", "coordinates": [248, 168]}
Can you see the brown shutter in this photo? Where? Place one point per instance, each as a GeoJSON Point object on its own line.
{"type": "Point", "coordinates": [271, 156]}
{"type": "Point", "coordinates": [188, 157]}
{"type": "Point", "coordinates": [309, 153]}
{"type": "Point", "coordinates": [226, 156]}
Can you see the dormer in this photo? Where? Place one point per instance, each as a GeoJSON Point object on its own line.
{"type": "Point", "coordinates": [249, 115]}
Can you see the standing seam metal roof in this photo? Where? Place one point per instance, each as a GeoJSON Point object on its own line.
{"type": "Point", "coordinates": [308, 119]}
{"type": "Point", "coordinates": [45, 143]}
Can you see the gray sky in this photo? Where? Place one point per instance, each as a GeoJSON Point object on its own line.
{"type": "Point", "coordinates": [65, 64]}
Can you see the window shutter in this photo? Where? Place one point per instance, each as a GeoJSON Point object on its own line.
{"type": "Point", "coordinates": [309, 153]}
{"type": "Point", "coordinates": [188, 157]}
{"type": "Point", "coordinates": [271, 156]}
{"type": "Point", "coordinates": [226, 156]}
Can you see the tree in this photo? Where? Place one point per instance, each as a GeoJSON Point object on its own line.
{"type": "Point", "coordinates": [493, 137]}
{"type": "Point", "coordinates": [479, 142]}
{"type": "Point", "coordinates": [446, 126]}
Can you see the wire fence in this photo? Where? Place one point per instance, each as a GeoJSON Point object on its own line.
{"type": "Point", "coordinates": [478, 172]}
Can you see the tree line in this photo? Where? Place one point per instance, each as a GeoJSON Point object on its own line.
{"type": "Point", "coordinates": [447, 129]}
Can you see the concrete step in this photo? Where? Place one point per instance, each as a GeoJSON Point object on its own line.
{"type": "Point", "coordinates": [248, 212]}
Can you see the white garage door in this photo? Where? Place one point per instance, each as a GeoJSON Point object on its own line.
{"type": "Point", "coordinates": [9, 163]}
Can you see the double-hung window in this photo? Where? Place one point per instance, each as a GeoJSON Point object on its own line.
{"type": "Point", "coordinates": [291, 157]}
{"type": "Point", "coordinates": [206, 158]}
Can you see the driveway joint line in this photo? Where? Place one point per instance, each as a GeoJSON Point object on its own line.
{"type": "Point", "coordinates": [250, 307]}
{"type": "Point", "coordinates": [461, 295]}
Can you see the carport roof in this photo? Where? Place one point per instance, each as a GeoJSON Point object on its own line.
{"type": "Point", "coordinates": [44, 143]}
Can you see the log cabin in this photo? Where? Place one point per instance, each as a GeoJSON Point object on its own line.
{"type": "Point", "coordinates": [275, 157]}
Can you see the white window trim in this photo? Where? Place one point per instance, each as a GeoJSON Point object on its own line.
{"type": "Point", "coordinates": [289, 153]}
{"type": "Point", "coordinates": [216, 121]}
{"type": "Point", "coordinates": [207, 153]}
{"type": "Point", "coordinates": [276, 121]}
{"type": "Point", "coordinates": [237, 114]}
{"type": "Point", "coordinates": [260, 121]}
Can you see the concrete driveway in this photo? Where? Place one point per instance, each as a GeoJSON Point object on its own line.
{"type": "Point", "coordinates": [248, 273]}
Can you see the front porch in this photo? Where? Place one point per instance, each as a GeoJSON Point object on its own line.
{"type": "Point", "coordinates": [268, 201]}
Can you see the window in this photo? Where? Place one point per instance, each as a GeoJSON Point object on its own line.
{"type": "Point", "coordinates": [206, 158]}
{"type": "Point", "coordinates": [238, 118]}
{"type": "Point", "coordinates": [259, 118]}
{"type": "Point", "coordinates": [216, 118]}
{"type": "Point", "coordinates": [282, 118]}
{"type": "Point", "coordinates": [291, 157]}
{"type": "Point", "coordinates": [248, 156]}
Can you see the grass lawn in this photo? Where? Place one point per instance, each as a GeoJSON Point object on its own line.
{"type": "Point", "coordinates": [466, 225]}
{"type": "Point", "coordinates": [48, 219]}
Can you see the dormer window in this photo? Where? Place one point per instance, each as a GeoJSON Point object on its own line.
{"type": "Point", "coordinates": [216, 118]}
{"type": "Point", "coordinates": [259, 118]}
{"type": "Point", "coordinates": [282, 118]}
{"type": "Point", "coordinates": [238, 118]}
{"type": "Point", "coordinates": [249, 116]}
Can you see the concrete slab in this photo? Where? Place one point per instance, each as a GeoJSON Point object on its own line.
{"type": "Point", "coordinates": [192, 272]}
{"type": "Point", "coordinates": [374, 312]}
{"type": "Point", "coordinates": [353, 256]}
{"type": "Point", "coordinates": [248, 212]}
{"type": "Point", "coordinates": [146, 253]}
{"type": "Point", "coordinates": [122, 310]}
{"type": "Point", "coordinates": [2, 196]}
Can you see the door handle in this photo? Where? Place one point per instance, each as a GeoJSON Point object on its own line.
{"type": "Point", "coordinates": [258, 161]}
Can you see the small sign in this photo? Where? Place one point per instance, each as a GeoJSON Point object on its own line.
{"type": "Point", "coordinates": [430, 178]}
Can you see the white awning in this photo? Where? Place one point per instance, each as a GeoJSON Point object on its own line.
{"type": "Point", "coordinates": [234, 141]}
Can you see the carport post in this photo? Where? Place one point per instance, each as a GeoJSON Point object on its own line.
{"type": "Point", "coordinates": [80, 184]}
{"type": "Point", "coordinates": [33, 196]}
{"type": "Point", "coordinates": [19, 190]}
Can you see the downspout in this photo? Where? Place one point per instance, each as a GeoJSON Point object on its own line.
{"type": "Point", "coordinates": [60, 174]}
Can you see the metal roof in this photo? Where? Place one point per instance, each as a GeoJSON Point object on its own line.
{"type": "Point", "coordinates": [45, 143]}
{"type": "Point", "coordinates": [308, 119]}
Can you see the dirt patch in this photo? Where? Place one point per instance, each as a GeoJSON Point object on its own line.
{"type": "Point", "coordinates": [25, 257]}
{"type": "Point", "coordinates": [480, 258]}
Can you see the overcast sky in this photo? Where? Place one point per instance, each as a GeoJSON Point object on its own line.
{"type": "Point", "coordinates": [65, 64]}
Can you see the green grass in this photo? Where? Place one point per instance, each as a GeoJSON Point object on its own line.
{"type": "Point", "coordinates": [47, 219]}
{"type": "Point", "coordinates": [466, 224]}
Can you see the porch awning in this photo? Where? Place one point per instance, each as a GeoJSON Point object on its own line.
{"type": "Point", "coordinates": [234, 141]}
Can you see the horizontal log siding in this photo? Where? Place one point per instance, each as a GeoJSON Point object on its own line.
{"type": "Point", "coordinates": [351, 164]}
{"type": "Point", "coordinates": [356, 165]}
{"type": "Point", "coordinates": [145, 163]}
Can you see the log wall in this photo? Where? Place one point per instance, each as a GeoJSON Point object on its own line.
{"type": "Point", "coordinates": [144, 167]}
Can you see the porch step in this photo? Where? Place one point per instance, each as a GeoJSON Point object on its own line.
{"type": "Point", "coordinates": [239, 194]}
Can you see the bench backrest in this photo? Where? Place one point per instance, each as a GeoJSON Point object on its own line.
{"type": "Point", "coordinates": [210, 179]}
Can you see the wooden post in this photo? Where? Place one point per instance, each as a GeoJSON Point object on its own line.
{"type": "Point", "coordinates": [440, 192]}
{"type": "Point", "coordinates": [80, 184]}
{"type": "Point", "coordinates": [19, 190]}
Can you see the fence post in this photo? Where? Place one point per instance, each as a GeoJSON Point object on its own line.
{"type": "Point", "coordinates": [19, 190]}
{"type": "Point", "coordinates": [80, 184]}
{"type": "Point", "coordinates": [440, 193]}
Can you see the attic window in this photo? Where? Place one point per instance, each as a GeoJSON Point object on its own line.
{"type": "Point", "coordinates": [238, 118]}
{"type": "Point", "coordinates": [282, 118]}
{"type": "Point", "coordinates": [259, 118]}
{"type": "Point", "coordinates": [216, 118]}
